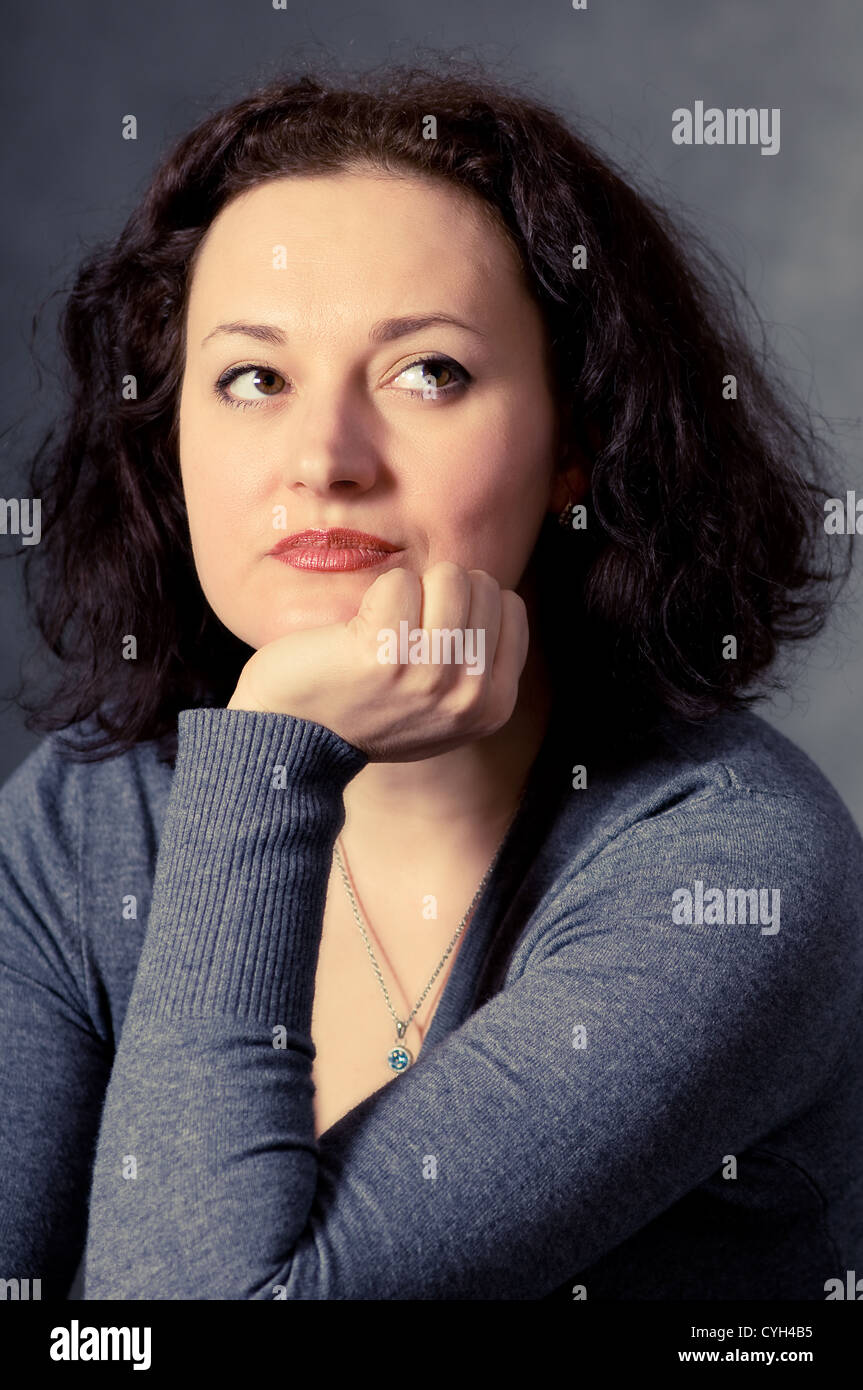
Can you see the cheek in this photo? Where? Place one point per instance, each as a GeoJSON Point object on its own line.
{"type": "Point", "coordinates": [488, 533]}
{"type": "Point", "coordinates": [494, 492]}
{"type": "Point", "coordinates": [221, 493]}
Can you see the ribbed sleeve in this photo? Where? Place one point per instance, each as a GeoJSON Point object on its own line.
{"type": "Point", "coordinates": [255, 807]}
{"type": "Point", "coordinates": [215, 1053]}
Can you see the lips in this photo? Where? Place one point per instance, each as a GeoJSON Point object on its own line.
{"type": "Point", "coordinates": [336, 548]}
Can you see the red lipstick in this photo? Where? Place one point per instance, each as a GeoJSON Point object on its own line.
{"type": "Point", "coordinates": [333, 549]}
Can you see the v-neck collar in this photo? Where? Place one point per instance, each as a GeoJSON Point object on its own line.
{"type": "Point", "coordinates": [477, 966]}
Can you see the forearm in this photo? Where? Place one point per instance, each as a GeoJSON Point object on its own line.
{"type": "Point", "coordinates": [206, 1169]}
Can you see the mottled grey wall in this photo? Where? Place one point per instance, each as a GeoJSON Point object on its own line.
{"type": "Point", "coordinates": [790, 223]}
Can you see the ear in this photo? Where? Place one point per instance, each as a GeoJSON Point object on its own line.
{"type": "Point", "coordinates": [570, 482]}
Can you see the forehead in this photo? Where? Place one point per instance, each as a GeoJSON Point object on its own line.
{"type": "Point", "coordinates": [325, 243]}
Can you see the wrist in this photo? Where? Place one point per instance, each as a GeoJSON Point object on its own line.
{"type": "Point", "coordinates": [241, 699]}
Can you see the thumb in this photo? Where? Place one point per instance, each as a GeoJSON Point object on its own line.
{"type": "Point", "coordinates": [393, 597]}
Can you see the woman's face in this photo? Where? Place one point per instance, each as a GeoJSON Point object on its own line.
{"type": "Point", "coordinates": [340, 416]}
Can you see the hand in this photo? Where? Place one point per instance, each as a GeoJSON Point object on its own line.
{"type": "Point", "coordinates": [402, 712]}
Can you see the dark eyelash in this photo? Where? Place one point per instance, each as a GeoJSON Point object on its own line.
{"type": "Point", "coordinates": [463, 377]}
{"type": "Point", "coordinates": [231, 375]}
{"type": "Point", "coordinates": [224, 381]}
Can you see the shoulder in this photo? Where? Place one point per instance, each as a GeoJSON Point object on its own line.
{"type": "Point", "coordinates": [54, 792]}
{"type": "Point", "coordinates": [66, 824]}
{"type": "Point", "coordinates": [749, 754]}
{"type": "Point", "coordinates": [725, 780]}
{"type": "Point", "coordinates": [732, 806]}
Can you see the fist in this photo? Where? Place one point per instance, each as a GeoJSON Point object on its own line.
{"type": "Point", "coordinates": [428, 663]}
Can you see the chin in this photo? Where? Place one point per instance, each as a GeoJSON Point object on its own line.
{"type": "Point", "coordinates": [301, 616]}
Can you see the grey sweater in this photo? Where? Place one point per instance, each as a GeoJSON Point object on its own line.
{"type": "Point", "coordinates": [644, 1079]}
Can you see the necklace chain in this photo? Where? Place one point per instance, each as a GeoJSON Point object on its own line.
{"type": "Point", "coordinates": [400, 1058]}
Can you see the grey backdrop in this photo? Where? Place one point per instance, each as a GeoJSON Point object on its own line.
{"type": "Point", "coordinates": [790, 223]}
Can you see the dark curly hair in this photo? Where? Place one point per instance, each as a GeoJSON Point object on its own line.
{"type": "Point", "coordinates": [704, 514]}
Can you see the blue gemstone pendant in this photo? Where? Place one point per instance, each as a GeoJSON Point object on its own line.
{"type": "Point", "coordinates": [399, 1059]}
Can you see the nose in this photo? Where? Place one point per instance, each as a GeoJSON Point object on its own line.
{"type": "Point", "coordinates": [329, 448]}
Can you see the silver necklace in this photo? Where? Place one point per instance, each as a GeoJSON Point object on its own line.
{"type": "Point", "coordinates": [399, 1058]}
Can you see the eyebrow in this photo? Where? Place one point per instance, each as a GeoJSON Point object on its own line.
{"type": "Point", "coordinates": [381, 332]}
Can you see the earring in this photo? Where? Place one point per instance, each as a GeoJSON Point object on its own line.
{"type": "Point", "coordinates": [565, 517]}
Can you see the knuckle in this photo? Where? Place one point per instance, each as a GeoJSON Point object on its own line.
{"type": "Point", "coordinates": [513, 601]}
{"type": "Point", "coordinates": [447, 575]}
{"type": "Point", "coordinates": [466, 698]}
{"type": "Point", "coordinates": [439, 678]}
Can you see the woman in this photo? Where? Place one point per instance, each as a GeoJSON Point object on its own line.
{"type": "Point", "coordinates": [520, 965]}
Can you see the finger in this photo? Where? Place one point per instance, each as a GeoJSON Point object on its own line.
{"type": "Point", "coordinates": [446, 596]}
{"type": "Point", "coordinates": [512, 648]}
{"type": "Point", "coordinates": [395, 596]}
{"type": "Point", "coordinates": [483, 624]}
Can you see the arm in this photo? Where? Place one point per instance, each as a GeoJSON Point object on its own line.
{"type": "Point", "coordinates": [55, 1066]}
{"type": "Point", "coordinates": [506, 1159]}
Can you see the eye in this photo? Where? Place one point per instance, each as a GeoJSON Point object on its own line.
{"type": "Point", "coordinates": [431, 388]}
{"type": "Point", "coordinates": [263, 379]}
